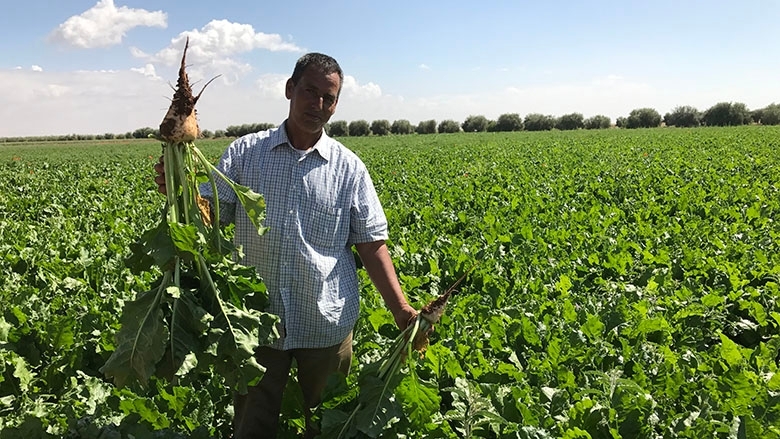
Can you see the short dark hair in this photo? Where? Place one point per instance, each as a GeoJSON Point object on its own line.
{"type": "Point", "coordinates": [324, 63]}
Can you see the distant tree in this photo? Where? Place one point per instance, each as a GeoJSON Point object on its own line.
{"type": "Point", "coordinates": [142, 133]}
{"type": "Point", "coordinates": [769, 115]}
{"type": "Point", "coordinates": [683, 116]}
{"type": "Point", "coordinates": [401, 126]}
{"type": "Point", "coordinates": [475, 124]}
{"type": "Point", "coordinates": [338, 128]}
{"type": "Point", "coordinates": [219, 134]}
{"type": "Point", "coordinates": [206, 134]}
{"type": "Point", "coordinates": [509, 122]}
{"type": "Point", "coordinates": [247, 128]}
{"type": "Point", "coordinates": [538, 122]}
{"type": "Point", "coordinates": [234, 130]}
{"type": "Point", "coordinates": [380, 127]}
{"type": "Point", "coordinates": [621, 122]}
{"type": "Point", "coordinates": [597, 122]}
{"type": "Point", "coordinates": [755, 115]}
{"type": "Point", "coordinates": [109, 136]}
{"type": "Point", "coordinates": [726, 114]}
{"type": "Point", "coordinates": [643, 118]}
{"type": "Point", "coordinates": [740, 113]}
{"type": "Point", "coordinates": [448, 126]}
{"type": "Point", "coordinates": [571, 121]}
{"type": "Point", "coordinates": [426, 127]}
{"type": "Point", "coordinates": [359, 128]}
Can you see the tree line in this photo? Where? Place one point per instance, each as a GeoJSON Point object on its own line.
{"type": "Point", "coordinates": [720, 114]}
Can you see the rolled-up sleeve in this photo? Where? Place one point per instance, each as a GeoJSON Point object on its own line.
{"type": "Point", "coordinates": [367, 218]}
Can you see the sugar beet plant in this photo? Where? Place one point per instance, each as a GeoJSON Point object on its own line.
{"type": "Point", "coordinates": [202, 312]}
{"type": "Point", "coordinates": [376, 406]}
{"type": "Point", "coordinates": [629, 288]}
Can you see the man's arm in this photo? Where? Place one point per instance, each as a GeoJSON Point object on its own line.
{"type": "Point", "coordinates": [379, 266]}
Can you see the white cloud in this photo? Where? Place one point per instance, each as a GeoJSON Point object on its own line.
{"type": "Point", "coordinates": [50, 91]}
{"type": "Point", "coordinates": [272, 86]}
{"type": "Point", "coordinates": [138, 53]}
{"type": "Point", "coordinates": [214, 50]}
{"type": "Point", "coordinates": [220, 39]}
{"type": "Point", "coordinates": [424, 67]}
{"type": "Point", "coordinates": [353, 90]}
{"type": "Point", "coordinates": [105, 25]}
{"type": "Point", "coordinates": [147, 70]}
{"type": "Point", "coordinates": [36, 68]}
{"type": "Point", "coordinates": [88, 102]}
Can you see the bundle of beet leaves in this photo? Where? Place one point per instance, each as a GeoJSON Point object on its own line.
{"type": "Point", "coordinates": [202, 312]}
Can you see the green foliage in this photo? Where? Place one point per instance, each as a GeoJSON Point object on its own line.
{"type": "Point", "coordinates": [572, 121]}
{"type": "Point", "coordinates": [475, 124]}
{"type": "Point", "coordinates": [727, 114]}
{"type": "Point", "coordinates": [538, 122]}
{"type": "Point", "coordinates": [380, 127]}
{"type": "Point", "coordinates": [627, 286]}
{"type": "Point", "coordinates": [338, 128]}
{"type": "Point", "coordinates": [358, 128]}
{"type": "Point", "coordinates": [597, 122]}
{"type": "Point", "coordinates": [769, 115]}
{"type": "Point", "coordinates": [508, 122]}
{"type": "Point", "coordinates": [448, 126]}
{"type": "Point", "coordinates": [683, 116]}
{"type": "Point", "coordinates": [401, 126]}
{"type": "Point", "coordinates": [203, 304]}
{"type": "Point", "coordinates": [426, 127]}
{"type": "Point", "coordinates": [247, 128]}
{"type": "Point", "coordinates": [643, 118]}
{"type": "Point", "coordinates": [144, 133]}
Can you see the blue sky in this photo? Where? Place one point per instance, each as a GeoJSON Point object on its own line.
{"type": "Point", "coordinates": [89, 66]}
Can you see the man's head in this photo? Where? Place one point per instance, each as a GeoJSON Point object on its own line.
{"type": "Point", "coordinates": [318, 61]}
{"type": "Point", "coordinates": [313, 91]}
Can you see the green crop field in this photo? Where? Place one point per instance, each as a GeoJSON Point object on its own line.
{"type": "Point", "coordinates": [626, 287]}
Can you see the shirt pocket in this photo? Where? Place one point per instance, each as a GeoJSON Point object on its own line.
{"type": "Point", "coordinates": [323, 226]}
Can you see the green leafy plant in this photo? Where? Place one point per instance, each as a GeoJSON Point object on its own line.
{"type": "Point", "coordinates": [629, 287]}
{"type": "Point", "coordinates": [203, 304]}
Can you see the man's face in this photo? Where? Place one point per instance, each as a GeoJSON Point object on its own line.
{"type": "Point", "coordinates": [313, 99]}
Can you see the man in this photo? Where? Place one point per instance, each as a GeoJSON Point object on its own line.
{"type": "Point", "coordinates": [320, 201]}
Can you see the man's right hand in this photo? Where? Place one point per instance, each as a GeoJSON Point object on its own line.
{"type": "Point", "coordinates": [159, 167]}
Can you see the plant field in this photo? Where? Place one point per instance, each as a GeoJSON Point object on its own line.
{"type": "Point", "coordinates": [627, 286]}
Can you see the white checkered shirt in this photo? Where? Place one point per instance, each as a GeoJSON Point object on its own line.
{"type": "Point", "coordinates": [318, 206]}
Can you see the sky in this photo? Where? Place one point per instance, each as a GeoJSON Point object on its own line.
{"type": "Point", "coordinates": [107, 66]}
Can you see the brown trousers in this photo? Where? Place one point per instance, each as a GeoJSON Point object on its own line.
{"type": "Point", "coordinates": [257, 412]}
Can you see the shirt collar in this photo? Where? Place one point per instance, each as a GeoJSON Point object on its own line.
{"type": "Point", "coordinates": [324, 145]}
